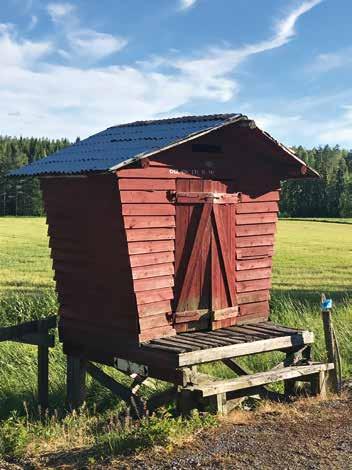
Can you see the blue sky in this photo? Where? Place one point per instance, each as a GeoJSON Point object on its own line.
{"type": "Point", "coordinates": [74, 68]}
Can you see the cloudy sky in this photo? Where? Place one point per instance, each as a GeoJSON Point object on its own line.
{"type": "Point", "coordinates": [74, 68]}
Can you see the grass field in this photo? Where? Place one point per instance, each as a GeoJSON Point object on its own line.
{"type": "Point", "coordinates": [311, 257]}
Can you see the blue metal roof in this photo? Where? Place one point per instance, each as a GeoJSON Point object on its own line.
{"type": "Point", "coordinates": [116, 146]}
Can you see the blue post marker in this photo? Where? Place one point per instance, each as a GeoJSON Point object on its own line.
{"type": "Point", "coordinates": [331, 350]}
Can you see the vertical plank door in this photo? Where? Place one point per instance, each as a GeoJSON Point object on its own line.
{"type": "Point", "coordinates": [204, 256]}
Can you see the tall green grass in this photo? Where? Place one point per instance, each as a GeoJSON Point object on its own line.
{"type": "Point", "coordinates": [311, 258]}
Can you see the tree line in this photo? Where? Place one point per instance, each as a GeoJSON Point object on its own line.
{"type": "Point", "coordinates": [330, 196]}
{"type": "Point", "coordinates": [22, 196]}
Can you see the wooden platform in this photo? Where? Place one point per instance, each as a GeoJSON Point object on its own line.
{"type": "Point", "coordinates": [192, 348]}
{"type": "Point", "coordinates": [175, 359]}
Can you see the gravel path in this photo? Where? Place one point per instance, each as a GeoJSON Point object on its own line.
{"type": "Point", "coordinates": [310, 434]}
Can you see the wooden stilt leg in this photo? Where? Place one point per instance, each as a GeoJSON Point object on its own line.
{"type": "Point", "coordinates": [43, 370]}
{"type": "Point", "coordinates": [187, 401]}
{"type": "Point", "coordinates": [218, 404]}
{"type": "Point", "coordinates": [318, 384]}
{"type": "Point", "coordinates": [289, 384]}
{"type": "Point", "coordinates": [76, 381]}
{"type": "Point", "coordinates": [43, 377]}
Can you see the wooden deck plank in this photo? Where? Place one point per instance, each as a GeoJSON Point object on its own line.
{"type": "Point", "coordinates": [252, 347]}
{"type": "Point", "coordinates": [259, 379]}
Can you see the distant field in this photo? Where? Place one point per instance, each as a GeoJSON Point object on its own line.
{"type": "Point", "coordinates": [25, 262]}
{"type": "Point", "coordinates": [310, 256]}
{"type": "Point", "coordinates": [313, 257]}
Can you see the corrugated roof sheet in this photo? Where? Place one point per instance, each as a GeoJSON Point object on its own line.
{"type": "Point", "coordinates": [117, 145]}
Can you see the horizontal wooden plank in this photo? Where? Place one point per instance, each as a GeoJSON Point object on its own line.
{"type": "Point", "coordinates": [262, 273]}
{"type": "Point", "coordinates": [249, 286]}
{"type": "Point", "coordinates": [143, 272]}
{"type": "Point", "coordinates": [148, 209]}
{"type": "Point", "coordinates": [153, 321]}
{"type": "Point", "coordinates": [261, 218]}
{"type": "Point", "coordinates": [224, 323]}
{"type": "Point", "coordinates": [147, 335]}
{"type": "Point", "coordinates": [145, 197]}
{"type": "Point", "coordinates": [254, 252]}
{"type": "Point", "coordinates": [33, 326]}
{"type": "Point", "coordinates": [244, 349]}
{"type": "Point", "coordinates": [260, 308]}
{"type": "Point", "coordinates": [154, 172]}
{"type": "Point", "coordinates": [148, 221]}
{"type": "Point", "coordinates": [153, 283]}
{"type": "Point", "coordinates": [192, 315]}
{"type": "Point", "coordinates": [255, 229]}
{"type": "Point", "coordinates": [155, 295]}
{"type": "Point", "coordinates": [153, 308]}
{"type": "Point", "coordinates": [68, 245]}
{"type": "Point", "coordinates": [224, 313]}
{"type": "Point", "coordinates": [261, 378]}
{"type": "Point", "coordinates": [203, 197]}
{"type": "Point", "coordinates": [149, 259]}
{"type": "Point", "coordinates": [151, 246]}
{"type": "Point", "coordinates": [248, 297]}
{"type": "Point", "coordinates": [259, 240]}
{"type": "Point", "coordinates": [256, 207]}
{"type": "Point", "coordinates": [135, 184]}
{"type": "Point", "coordinates": [267, 197]}
{"type": "Point", "coordinates": [146, 234]}
{"type": "Point", "coordinates": [254, 263]}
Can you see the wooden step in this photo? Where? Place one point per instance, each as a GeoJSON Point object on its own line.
{"type": "Point", "coordinates": [215, 387]}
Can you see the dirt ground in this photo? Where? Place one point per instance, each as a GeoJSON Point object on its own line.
{"type": "Point", "coordinates": [309, 434]}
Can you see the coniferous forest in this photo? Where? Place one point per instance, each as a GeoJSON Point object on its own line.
{"type": "Point", "coordinates": [331, 196]}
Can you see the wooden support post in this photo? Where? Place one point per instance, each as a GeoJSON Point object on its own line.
{"type": "Point", "coordinates": [218, 403]}
{"type": "Point", "coordinates": [289, 385]}
{"type": "Point", "coordinates": [76, 381]}
{"type": "Point", "coordinates": [318, 383]}
{"type": "Point", "coordinates": [187, 400]}
{"type": "Point", "coordinates": [43, 370]}
{"type": "Point", "coordinates": [330, 348]}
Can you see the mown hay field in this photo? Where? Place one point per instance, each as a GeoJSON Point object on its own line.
{"type": "Point", "coordinates": [311, 257]}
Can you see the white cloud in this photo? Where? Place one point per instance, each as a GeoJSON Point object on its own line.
{"type": "Point", "coordinates": [185, 4]}
{"type": "Point", "coordinates": [84, 43]}
{"type": "Point", "coordinates": [331, 61]}
{"type": "Point", "coordinates": [222, 61]}
{"type": "Point", "coordinates": [293, 128]}
{"type": "Point", "coordinates": [39, 98]}
{"type": "Point", "coordinates": [93, 45]}
{"type": "Point", "coordinates": [33, 22]}
{"type": "Point", "coordinates": [58, 11]}
{"type": "Point", "coordinates": [19, 52]}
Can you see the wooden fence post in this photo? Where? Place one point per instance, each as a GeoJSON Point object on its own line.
{"type": "Point", "coordinates": [43, 368]}
{"type": "Point", "coordinates": [329, 342]}
{"type": "Point", "coordinates": [76, 381]}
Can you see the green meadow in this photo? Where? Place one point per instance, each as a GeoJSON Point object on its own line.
{"type": "Point", "coordinates": [312, 257]}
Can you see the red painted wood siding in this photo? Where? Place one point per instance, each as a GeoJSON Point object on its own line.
{"type": "Point", "coordinates": [90, 258]}
{"type": "Point", "coordinates": [149, 220]}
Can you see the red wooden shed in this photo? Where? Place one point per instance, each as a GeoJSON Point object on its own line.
{"type": "Point", "coordinates": [162, 227]}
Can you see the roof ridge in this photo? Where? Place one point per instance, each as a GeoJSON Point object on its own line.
{"type": "Point", "coordinates": [195, 118]}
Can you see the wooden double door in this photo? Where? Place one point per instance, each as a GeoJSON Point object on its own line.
{"type": "Point", "coordinates": [205, 295]}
